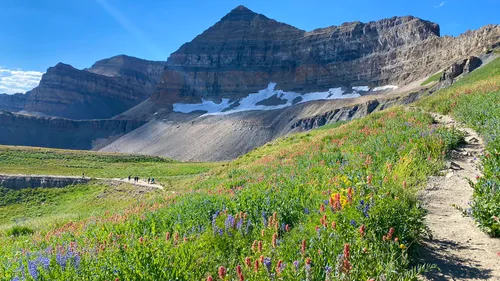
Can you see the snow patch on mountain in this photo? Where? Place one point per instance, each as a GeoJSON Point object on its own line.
{"type": "Point", "coordinates": [270, 98]}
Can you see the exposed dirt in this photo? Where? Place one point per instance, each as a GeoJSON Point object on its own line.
{"type": "Point", "coordinates": [458, 247]}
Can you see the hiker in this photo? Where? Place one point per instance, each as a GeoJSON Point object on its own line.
{"type": "Point", "coordinates": [153, 181]}
{"type": "Point", "coordinates": [129, 177]}
{"type": "Point", "coordinates": [83, 175]}
{"type": "Point", "coordinates": [149, 179]}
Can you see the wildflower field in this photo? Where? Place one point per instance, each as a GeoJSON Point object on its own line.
{"type": "Point", "coordinates": [333, 204]}
{"type": "Point", "coordinates": [324, 205]}
{"type": "Point", "coordinates": [475, 100]}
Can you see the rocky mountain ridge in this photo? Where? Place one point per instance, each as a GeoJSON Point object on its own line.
{"type": "Point", "coordinates": [245, 51]}
{"type": "Point", "coordinates": [108, 88]}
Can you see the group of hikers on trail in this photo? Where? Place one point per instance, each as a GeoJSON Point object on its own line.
{"type": "Point", "coordinates": [136, 179]}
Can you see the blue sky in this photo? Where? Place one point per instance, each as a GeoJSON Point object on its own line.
{"type": "Point", "coordinates": [36, 34]}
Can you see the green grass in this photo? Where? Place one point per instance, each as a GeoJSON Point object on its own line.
{"type": "Point", "coordinates": [31, 160]}
{"type": "Point", "coordinates": [475, 100]}
{"type": "Point", "coordinates": [376, 165]}
{"type": "Point", "coordinates": [301, 201]}
{"type": "Point", "coordinates": [45, 208]}
{"type": "Point", "coordinates": [433, 78]}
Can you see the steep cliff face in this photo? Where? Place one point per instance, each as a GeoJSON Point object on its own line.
{"type": "Point", "coordinates": [17, 129]}
{"type": "Point", "coordinates": [13, 102]}
{"type": "Point", "coordinates": [245, 51]}
{"type": "Point", "coordinates": [108, 88]}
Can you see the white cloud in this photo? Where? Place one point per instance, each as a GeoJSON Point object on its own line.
{"type": "Point", "coordinates": [18, 81]}
{"type": "Point", "coordinates": [440, 5]}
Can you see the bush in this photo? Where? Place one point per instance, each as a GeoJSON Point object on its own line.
{"type": "Point", "coordinates": [17, 231]}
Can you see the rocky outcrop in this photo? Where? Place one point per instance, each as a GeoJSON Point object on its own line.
{"type": "Point", "coordinates": [17, 129]}
{"type": "Point", "coordinates": [462, 67]}
{"type": "Point", "coordinates": [34, 181]}
{"type": "Point", "coordinates": [13, 102]}
{"type": "Point", "coordinates": [336, 115]}
{"type": "Point", "coordinates": [245, 51]}
{"type": "Point", "coordinates": [108, 88]}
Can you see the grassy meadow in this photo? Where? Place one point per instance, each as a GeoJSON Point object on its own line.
{"type": "Point", "coordinates": [322, 205]}
{"type": "Point", "coordinates": [340, 203]}
{"type": "Point", "coordinates": [48, 161]}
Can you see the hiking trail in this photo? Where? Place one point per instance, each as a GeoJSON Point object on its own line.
{"type": "Point", "coordinates": [457, 246]}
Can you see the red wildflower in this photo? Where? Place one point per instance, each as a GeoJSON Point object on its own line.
{"type": "Point", "coordinates": [303, 247]}
{"type": "Point", "coordinates": [275, 237]}
{"type": "Point", "coordinates": [262, 232]}
{"type": "Point", "coordinates": [254, 246]}
{"type": "Point", "coordinates": [287, 228]}
{"type": "Point", "coordinates": [391, 232]}
{"type": "Point", "coordinates": [256, 265]}
{"type": "Point", "coordinates": [260, 246]}
{"type": "Point", "coordinates": [141, 240]}
{"type": "Point", "coordinates": [278, 266]}
{"type": "Point", "coordinates": [222, 272]}
{"type": "Point", "coordinates": [167, 236]}
{"type": "Point", "coordinates": [346, 265]}
{"type": "Point", "coordinates": [238, 270]}
{"type": "Point", "coordinates": [248, 262]}
{"type": "Point", "coordinates": [308, 261]}
{"type": "Point", "coordinates": [362, 230]}
{"type": "Point", "coordinates": [209, 278]}
{"type": "Point", "coordinates": [334, 225]}
{"type": "Point", "coordinates": [322, 208]}
{"type": "Point", "coordinates": [369, 179]}
{"type": "Point", "coordinates": [350, 193]}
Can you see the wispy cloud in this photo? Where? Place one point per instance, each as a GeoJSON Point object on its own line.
{"type": "Point", "coordinates": [18, 81]}
{"type": "Point", "coordinates": [440, 5]}
{"type": "Point", "coordinates": [130, 28]}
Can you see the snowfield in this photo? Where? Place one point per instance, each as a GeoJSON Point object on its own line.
{"type": "Point", "coordinates": [270, 98]}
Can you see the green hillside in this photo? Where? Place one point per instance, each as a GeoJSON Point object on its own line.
{"type": "Point", "coordinates": [333, 204]}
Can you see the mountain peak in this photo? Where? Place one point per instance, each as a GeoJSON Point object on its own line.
{"type": "Point", "coordinates": [242, 13]}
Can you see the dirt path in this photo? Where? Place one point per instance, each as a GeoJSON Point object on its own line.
{"type": "Point", "coordinates": [45, 178]}
{"type": "Point", "coordinates": [139, 183]}
{"type": "Point", "coordinates": [458, 247]}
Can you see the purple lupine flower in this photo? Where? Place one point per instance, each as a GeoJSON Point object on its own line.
{"type": "Point", "coordinates": [296, 264]}
{"type": "Point", "coordinates": [43, 261]}
{"type": "Point", "coordinates": [264, 220]}
{"type": "Point", "coordinates": [33, 269]}
{"type": "Point", "coordinates": [239, 224]}
{"type": "Point", "coordinates": [77, 259]}
{"type": "Point", "coordinates": [221, 232]}
{"type": "Point", "coordinates": [16, 279]}
{"type": "Point", "coordinates": [306, 211]}
{"type": "Point", "coordinates": [353, 223]}
{"type": "Point", "coordinates": [61, 260]}
{"type": "Point", "coordinates": [267, 263]}
{"type": "Point", "coordinates": [228, 224]}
